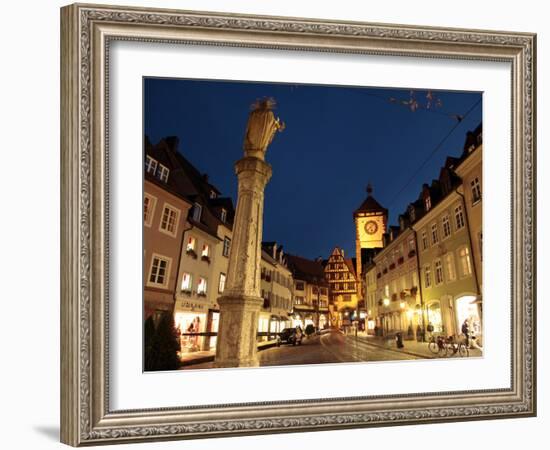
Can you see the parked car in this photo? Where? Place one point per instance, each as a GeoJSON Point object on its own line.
{"type": "Point", "coordinates": [290, 336]}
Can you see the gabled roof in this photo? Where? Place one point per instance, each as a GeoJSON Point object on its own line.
{"type": "Point", "coordinates": [306, 269]}
{"type": "Point", "coordinates": [187, 181]}
{"type": "Point", "coordinates": [351, 263]}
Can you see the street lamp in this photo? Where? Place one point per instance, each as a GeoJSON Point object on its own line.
{"type": "Point", "coordinates": [386, 302]}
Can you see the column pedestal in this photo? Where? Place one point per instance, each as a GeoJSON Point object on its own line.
{"type": "Point", "coordinates": [237, 343]}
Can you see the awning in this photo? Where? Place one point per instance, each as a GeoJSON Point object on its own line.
{"type": "Point", "coordinates": [477, 301]}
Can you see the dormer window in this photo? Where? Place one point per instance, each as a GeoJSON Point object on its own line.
{"type": "Point", "coordinates": [191, 243]}
{"type": "Point", "coordinates": [150, 165]}
{"type": "Point", "coordinates": [412, 213]}
{"type": "Point", "coordinates": [163, 173]}
{"type": "Point", "coordinates": [197, 212]}
{"type": "Point", "coordinates": [224, 215]}
{"type": "Point", "coordinates": [427, 202]}
{"type": "Point", "coordinates": [213, 194]}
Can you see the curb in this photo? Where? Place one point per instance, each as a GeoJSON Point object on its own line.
{"type": "Point", "coordinates": [210, 358]}
{"type": "Point", "coordinates": [419, 355]}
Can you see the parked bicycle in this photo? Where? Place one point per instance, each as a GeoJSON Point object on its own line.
{"type": "Point", "coordinates": [454, 346]}
{"type": "Point", "coordinates": [437, 345]}
{"type": "Point", "coordinates": [443, 346]}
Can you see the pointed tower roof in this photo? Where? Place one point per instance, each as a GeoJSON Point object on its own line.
{"type": "Point", "coordinates": [370, 204]}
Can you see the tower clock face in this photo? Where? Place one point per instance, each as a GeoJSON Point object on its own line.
{"type": "Point", "coordinates": [371, 227]}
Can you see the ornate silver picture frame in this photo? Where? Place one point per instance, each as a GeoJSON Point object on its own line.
{"type": "Point", "coordinates": [87, 32]}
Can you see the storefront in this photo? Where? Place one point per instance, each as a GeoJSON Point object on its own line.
{"type": "Point", "coordinates": [188, 323]}
{"type": "Point", "coordinates": [263, 326]}
{"type": "Point", "coordinates": [323, 321]}
{"type": "Point", "coordinates": [467, 310]}
{"type": "Point", "coordinates": [302, 319]}
{"type": "Point", "coordinates": [213, 328]}
{"type": "Point", "coordinates": [433, 312]}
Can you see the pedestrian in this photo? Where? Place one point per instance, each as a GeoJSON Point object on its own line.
{"type": "Point", "coordinates": [465, 332]}
{"type": "Point", "coordinates": [430, 329]}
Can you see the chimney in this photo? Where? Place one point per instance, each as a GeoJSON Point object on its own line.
{"type": "Point", "coordinates": [172, 142]}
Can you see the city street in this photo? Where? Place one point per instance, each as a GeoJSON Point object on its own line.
{"type": "Point", "coordinates": [332, 347]}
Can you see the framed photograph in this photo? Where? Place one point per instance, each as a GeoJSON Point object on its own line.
{"type": "Point", "coordinates": [274, 224]}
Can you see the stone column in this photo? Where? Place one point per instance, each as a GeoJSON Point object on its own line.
{"type": "Point", "coordinates": [241, 301]}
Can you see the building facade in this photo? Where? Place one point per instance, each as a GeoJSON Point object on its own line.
{"type": "Point", "coordinates": [371, 296]}
{"type": "Point", "coordinates": [164, 218]}
{"type": "Point", "coordinates": [276, 289]}
{"type": "Point", "coordinates": [470, 170]}
{"type": "Point", "coordinates": [311, 293]}
{"type": "Point", "coordinates": [203, 254]}
{"type": "Point", "coordinates": [397, 303]}
{"type": "Point", "coordinates": [429, 269]}
{"type": "Point", "coordinates": [343, 283]}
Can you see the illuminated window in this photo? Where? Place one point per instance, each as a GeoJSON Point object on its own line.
{"type": "Point", "coordinates": [221, 284]}
{"type": "Point", "coordinates": [224, 215]}
{"type": "Point", "coordinates": [450, 266]}
{"type": "Point", "coordinates": [191, 243]}
{"type": "Point", "coordinates": [186, 282]}
{"type": "Point", "coordinates": [205, 251]}
{"type": "Point", "coordinates": [201, 287]}
{"type": "Point", "coordinates": [465, 261]}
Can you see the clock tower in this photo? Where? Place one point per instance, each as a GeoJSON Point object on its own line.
{"type": "Point", "coordinates": [371, 220]}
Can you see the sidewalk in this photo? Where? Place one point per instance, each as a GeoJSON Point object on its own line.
{"type": "Point", "coordinates": [192, 358]}
{"type": "Point", "coordinates": [414, 348]}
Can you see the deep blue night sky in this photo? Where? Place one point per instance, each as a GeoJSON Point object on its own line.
{"type": "Point", "coordinates": [336, 140]}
